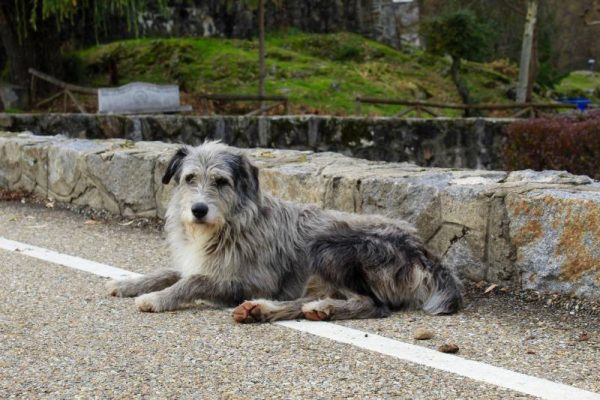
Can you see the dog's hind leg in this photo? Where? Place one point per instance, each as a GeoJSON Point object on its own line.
{"type": "Point", "coordinates": [266, 310]}
{"type": "Point", "coordinates": [145, 284]}
{"type": "Point", "coordinates": [355, 307]}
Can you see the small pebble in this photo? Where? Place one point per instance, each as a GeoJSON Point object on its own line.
{"type": "Point", "coordinates": [423, 334]}
{"type": "Point", "coordinates": [448, 348]}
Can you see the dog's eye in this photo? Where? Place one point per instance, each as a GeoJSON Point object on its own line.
{"type": "Point", "coordinates": [221, 182]}
{"type": "Point", "coordinates": [189, 178]}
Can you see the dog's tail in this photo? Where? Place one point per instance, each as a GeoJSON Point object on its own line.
{"type": "Point", "coordinates": [444, 291]}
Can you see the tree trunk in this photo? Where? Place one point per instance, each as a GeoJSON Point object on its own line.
{"type": "Point", "coordinates": [20, 55]}
{"type": "Point", "coordinates": [261, 49]}
{"type": "Point", "coordinates": [534, 67]}
{"type": "Point", "coordinates": [39, 49]}
{"type": "Point", "coordinates": [526, 51]}
{"type": "Point", "coordinates": [463, 91]}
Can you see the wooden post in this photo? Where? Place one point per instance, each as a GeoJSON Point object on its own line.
{"type": "Point", "coordinates": [358, 107]}
{"type": "Point", "coordinates": [526, 51]}
{"type": "Point", "coordinates": [74, 100]}
{"type": "Point", "coordinates": [32, 90]}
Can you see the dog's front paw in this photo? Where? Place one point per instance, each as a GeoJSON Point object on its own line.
{"type": "Point", "coordinates": [121, 288]}
{"type": "Point", "coordinates": [247, 312]}
{"type": "Point", "coordinates": [114, 288]}
{"type": "Point", "coordinates": [149, 302]}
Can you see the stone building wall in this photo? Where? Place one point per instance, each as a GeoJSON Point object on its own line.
{"type": "Point", "coordinates": [387, 21]}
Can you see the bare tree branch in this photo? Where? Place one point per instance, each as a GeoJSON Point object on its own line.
{"type": "Point", "coordinates": [591, 16]}
{"type": "Point", "coordinates": [516, 7]}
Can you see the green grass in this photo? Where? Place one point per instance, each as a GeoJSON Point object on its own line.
{"type": "Point", "coordinates": [318, 72]}
{"type": "Point", "coordinates": [580, 83]}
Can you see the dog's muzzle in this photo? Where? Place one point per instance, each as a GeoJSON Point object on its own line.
{"type": "Point", "coordinates": [199, 210]}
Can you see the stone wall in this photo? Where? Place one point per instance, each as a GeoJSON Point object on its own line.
{"type": "Point", "coordinates": [450, 143]}
{"type": "Point", "coordinates": [393, 23]}
{"type": "Point", "coordinates": [538, 230]}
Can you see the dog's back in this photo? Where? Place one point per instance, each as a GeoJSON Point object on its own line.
{"type": "Point", "coordinates": [383, 259]}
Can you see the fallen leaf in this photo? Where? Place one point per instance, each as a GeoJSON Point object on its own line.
{"type": "Point", "coordinates": [530, 352]}
{"type": "Point", "coordinates": [90, 222]}
{"type": "Point", "coordinates": [423, 334]}
{"type": "Point", "coordinates": [450, 348]}
{"type": "Point", "coordinates": [126, 223]}
{"type": "Point", "coordinates": [490, 288]}
{"type": "Point", "coordinates": [584, 337]}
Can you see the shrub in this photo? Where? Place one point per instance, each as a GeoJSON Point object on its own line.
{"type": "Point", "coordinates": [566, 142]}
{"type": "Point", "coordinates": [459, 34]}
{"type": "Point", "coordinates": [505, 67]}
{"type": "Point", "coordinates": [73, 68]}
{"type": "Point", "coordinates": [348, 52]}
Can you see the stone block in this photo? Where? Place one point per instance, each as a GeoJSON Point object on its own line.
{"type": "Point", "coordinates": [556, 233]}
{"type": "Point", "coordinates": [34, 169]}
{"type": "Point", "coordinates": [415, 198]}
{"type": "Point", "coordinates": [125, 177]}
{"type": "Point", "coordinates": [66, 167]}
{"type": "Point", "coordinates": [10, 166]}
{"type": "Point", "coordinates": [500, 253]}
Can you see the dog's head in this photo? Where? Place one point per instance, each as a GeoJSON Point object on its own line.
{"type": "Point", "coordinates": [216, 184]}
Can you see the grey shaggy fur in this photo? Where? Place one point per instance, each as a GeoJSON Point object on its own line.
{"type": "Point", "coordinates": [230, 242]}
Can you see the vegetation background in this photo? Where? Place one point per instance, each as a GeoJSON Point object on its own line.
{"type": "Point", "coordinates": [309, 56]}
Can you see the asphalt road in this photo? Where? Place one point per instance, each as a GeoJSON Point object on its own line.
{"type": "Point", "coordinates": [62, 337]}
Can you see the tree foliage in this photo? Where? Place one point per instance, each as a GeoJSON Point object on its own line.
{"type": "Point", "coordinates": [29, 13]}
{"type": "Point", "coordinates": [34, 31]}
{"type": "Point", "coordinates": [459, 34]}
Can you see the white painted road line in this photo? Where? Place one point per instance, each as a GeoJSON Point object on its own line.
{"type": "Point", "coordinates": [476, 370]}
{"type": "Point", "coordinates": [67, 261]}
{"type": "Point", "coordinates": [431, 358]}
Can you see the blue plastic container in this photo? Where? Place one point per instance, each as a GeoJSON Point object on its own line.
{"type": "Point", "coordinates": [581, 102]}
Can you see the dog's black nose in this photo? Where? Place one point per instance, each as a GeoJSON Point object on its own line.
{"type": "Point", "coordinates": [199, 210]}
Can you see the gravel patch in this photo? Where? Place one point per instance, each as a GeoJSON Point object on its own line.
{"type": "Point", "coordinates": [61, 338]}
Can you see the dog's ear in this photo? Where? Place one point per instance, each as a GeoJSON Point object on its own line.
{"type": "Point", "coordinates": [245, 176]}
{"type": "Point", "coordinates": [253, 174]}
{"type": "Point", "coordinates": [174, 167]}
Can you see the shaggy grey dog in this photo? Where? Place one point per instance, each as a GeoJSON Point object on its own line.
{"type": "Point", "coordinates": [230, 242]}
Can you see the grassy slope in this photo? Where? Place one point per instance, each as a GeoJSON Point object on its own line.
{"type": "Point", "coordinates": [320, 73]}
{"type": "Point", "coordinates": [581, 83]}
